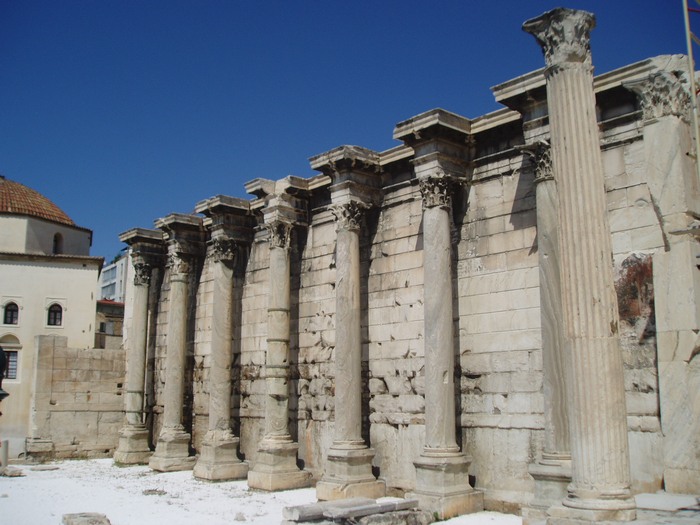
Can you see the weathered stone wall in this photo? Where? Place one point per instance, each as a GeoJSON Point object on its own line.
{"type": "Point", "coordinates": [77, 407]}
{"type": "Point", "coordinates": [500, 356]}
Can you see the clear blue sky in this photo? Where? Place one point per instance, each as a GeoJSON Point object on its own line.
{"type": "Point", "coordinates": [123, 111]}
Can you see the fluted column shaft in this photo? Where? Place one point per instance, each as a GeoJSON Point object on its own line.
{"type": "Point", "coordinates": [598, 423]}
{"type": "Point", "coordinates": [277, 356]}
{"type": "Point", "coordinates": [348, 349]}
{"type": "Point", "coordinates": [600, 455]}
{"type": "Point", "coordinates": [439, 339]}
{"type": "Point", "coordinates": [176, 352]}
{"type": "Point", "coordinates": [554, 360]}
{"type": "Point", "coordinates": [136, 356]}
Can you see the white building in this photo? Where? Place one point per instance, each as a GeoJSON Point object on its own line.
{"type": "Point", "coordinates": [47, 287]}
{"type": "Point", "coordinates": [112, 285]}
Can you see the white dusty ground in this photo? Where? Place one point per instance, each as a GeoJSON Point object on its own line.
{"type": "Point", "coordinates": [139, 496]}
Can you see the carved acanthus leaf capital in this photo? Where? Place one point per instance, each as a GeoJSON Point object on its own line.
{"type": "Point", "coordinates": [564, 35]}
{"type": "Point", "coordinates": [349, 215]}
{"type": "Point", "coordinates": [663, 94]}
{"type": "Point", "coordinates": [223, 249]}
{"type": "Point", "coordinates": [540, 154]}
{"type": "Point", "coordinates": [280, 233]}
{"type": "Point", "coordinates": [178, 262]}
{"type": "Point", "coordinates": [436, 190]}
{"type": "Point", "coordinates": [142, 273]}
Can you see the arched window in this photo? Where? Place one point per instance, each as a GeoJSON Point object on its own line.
{"type": "Point", "coordinates": [11, 314]}
{"type": "Point", "coordinates": [12, 346]}
{"type": "Point", "coordinates": [55, 315]}
{"type": "Point", "coordinates": [57, 244]}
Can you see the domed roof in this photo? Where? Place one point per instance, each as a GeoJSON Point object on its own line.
{"type": "Point", "coordinates": [16, 198]}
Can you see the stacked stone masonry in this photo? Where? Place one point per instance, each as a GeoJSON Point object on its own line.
{"type": "Point", "coordinates": [78, 401]}
{"type": "Point", "coordinates": [501, 377]}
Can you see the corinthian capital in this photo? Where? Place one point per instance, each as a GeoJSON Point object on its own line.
{"type": "Point", "coordinates": [223, 249]}
{"type": "Point", "coordinates": [142, 274]}
{"type": "Point", "coordinates": [564, 35]}
{"type": "Point", "coordinates": [280, 233]}
{"type": "Point", "coordinates": [349, 215]}
{"type": "Point", "coordinates": [662, 94]}
{"type": "Point", "coordinates": [540, 154]}
{"type": "Point", "coordinates": [177, 261]}
{"type": "Point", "coordinates": [436, 191]}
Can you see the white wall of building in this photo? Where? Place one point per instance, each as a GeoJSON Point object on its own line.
{"type": "Point", "coordinates": [35, 283]}
{"type": "Point", "coordinates": [19, 234]}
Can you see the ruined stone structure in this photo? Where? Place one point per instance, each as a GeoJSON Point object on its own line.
{"type": "Point", "coordinates": [499, 312]}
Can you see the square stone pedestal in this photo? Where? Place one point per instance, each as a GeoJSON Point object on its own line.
{"type": "Point", "coordinates": [349, 475]}
{"type": "Point", "coordinates": [276, 468]}
{"type": "Point", "coordinates": [172, 452]}
{"type": "Point", "coordinates": [218, 461]}
{"type": "Point", "coordinates": [133, 446]}
{"type": "Point", "coordinates": [442, 486]}
{"type": "Point", "coordinates": [551, 481]}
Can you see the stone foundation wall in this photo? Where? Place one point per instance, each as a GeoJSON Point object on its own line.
{"type": "Point", "coordinates": [77, 407]}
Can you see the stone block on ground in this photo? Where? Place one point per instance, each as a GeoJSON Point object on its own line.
{"type": "Point", "coordinates": [315, 511]}
{"type": "Point", "coordinates": [10, 472]}
{"type": "Point", "coordinates": [85, 518]}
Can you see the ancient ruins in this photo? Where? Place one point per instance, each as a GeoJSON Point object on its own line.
{"type": "Point", "coordinates": [500, 312]}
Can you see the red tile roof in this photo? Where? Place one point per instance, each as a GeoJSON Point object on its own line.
{"type": "Point", "coordinates": [17, 199]}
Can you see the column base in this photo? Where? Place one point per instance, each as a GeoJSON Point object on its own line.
{"type": "Point", "coordinates": [172, 452]}
{"type": "Point", "coordinates": [349, 475]}
{"type": "Point", "coordinates": [442, 485]}
{"type": "Point", "coordinates": [133, 446]}
{"type": "Point", "coordinates": [218, 459]}
{"type": "Point", "coordinates": [40, 449]}
{"type": "Point", "coordinates": [276, 467]}
{"type": "Point", "coordinates": [562, 515]}
{"type": "Point", "coordinates": [552, 477]}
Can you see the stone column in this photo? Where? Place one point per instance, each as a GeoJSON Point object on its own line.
{"type": "Point", "coordinates": [600, 487]}
{"type": "Point", "coordinates": [442, 480]}
{"type": "Point", "coordinates": [349, 468]}
{"type": "Point", "coordinates": [275, 466]}
{"type": "Point", "coordinates": [552, 470]}
{"type": "Point", "coordinates": [133, 445]}
{"type": "Point", "coordinates": [218, 459]}
{"type": "Point", "coordinates": [172, 448]}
